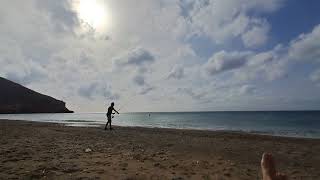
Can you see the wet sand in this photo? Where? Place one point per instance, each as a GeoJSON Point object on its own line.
{"type": "Point", "coordinates": [31, 150]}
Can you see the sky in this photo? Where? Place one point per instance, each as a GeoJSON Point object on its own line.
{"type": "Point", "coordinates": [165, 55]}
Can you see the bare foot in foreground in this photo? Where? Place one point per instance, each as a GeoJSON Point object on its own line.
{"type": "Point", "coordinates": [269, 170]}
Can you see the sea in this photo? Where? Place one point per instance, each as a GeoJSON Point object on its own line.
{"type": "Point", "coordinates": [277, 123]}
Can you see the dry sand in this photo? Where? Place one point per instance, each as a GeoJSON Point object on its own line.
{"type": "Point", "coordinates": [31, 150]}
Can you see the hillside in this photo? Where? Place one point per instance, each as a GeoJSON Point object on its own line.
{"type": "Point", "coordinates": [15, 98]}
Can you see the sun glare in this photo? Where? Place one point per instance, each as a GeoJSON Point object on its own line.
{"type": "Point", "coordinates": [94, 13]}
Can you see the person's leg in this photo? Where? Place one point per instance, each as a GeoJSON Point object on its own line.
{"type": "Point", "coordinates": [109, 122]}
{"type": "Point", "coordinates": [105, 128]}
{"type": "Point", "coordinates": [269, 170]}
{"type": "Point", "coordinates": [110, 126]}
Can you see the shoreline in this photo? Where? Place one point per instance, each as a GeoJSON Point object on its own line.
{"type": "Point", "coordinates": [183, 129]}
{"type": "Point", "coordinates": [39, 150]}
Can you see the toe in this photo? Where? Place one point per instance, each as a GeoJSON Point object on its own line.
{"type": "Point", "coordinates": [267, 166]}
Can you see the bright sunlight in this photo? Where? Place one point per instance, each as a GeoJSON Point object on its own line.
{"type": "Point", "coordinates": [94, 13]}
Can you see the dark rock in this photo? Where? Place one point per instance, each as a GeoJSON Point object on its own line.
{"type": "Point", "coordinates": [15, 98]}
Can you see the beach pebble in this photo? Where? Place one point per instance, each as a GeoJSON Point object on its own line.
{"type": "Point", "coordinates": [161, 153]}
{"type": "Point", "coordinates": [87, 150]}
{"type": "Point", "coordinates": [164, 159]}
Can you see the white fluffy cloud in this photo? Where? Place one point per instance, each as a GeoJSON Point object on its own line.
{"type": "Point", "coordinates": [306, 46]}
{"type": "Point", "coordinates": [191, 92]}
{"type": "Point", "coordinates": [146, 52]}
{"type": "Point", "coordinates": [177, 72]}
{"type": "Point", "coordinates": [247, 89]}
{"type": "Point", "coordinates": [225, 61]}
{"type": "Point", "coordinates": [135, 57]}
{"type": "Point", "coordinates": [60, 13]}
{"type": "Point", "coordinates": [97, 90]}
{"type": "Point", "coordinates": [225, 20]}
{"type": "Point", "coordinates": [256, 36]}
{"type": "Point", "coordinates": [274, 63]}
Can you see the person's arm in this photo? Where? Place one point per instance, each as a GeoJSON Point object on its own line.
{"type": "Point", "coordinates": [116, 111]}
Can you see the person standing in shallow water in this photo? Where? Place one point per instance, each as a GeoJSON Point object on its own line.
{"type": "Point", "coordinates": [109, 115]}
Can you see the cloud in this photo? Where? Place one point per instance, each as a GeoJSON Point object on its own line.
{"type": "Point", "coordinates": [227, 20]}
{"type": "Point", "coordinates": [268, 65]}
{"type": "Point", "coordinates": [190, 92]}
{"type": "Point", "coordinates": [257, 35]}
{"type": "Point", "coordinates": [135, 62]}
{"type": "Point", "coordinates": [306, 46]}
{"type": "Point", "coordinates": [247, 89]}
{"type": "Point", "coordinates": [275, 63]}
{"type": "Point", "coordinates": [315, 76]}
{"type": "Point", "coordinates": [45, 46]}
{"type": "Point", "coordinates": [146, 90]}
{"type": "Point", "coordinates": [177, 72]}
{"type": "Point", "coordinates": [249, 65]}
{"type": "Point", "coordinates": [135, 57]}
{"type": "Point", "coordinates": [262, 58]}
{"type": "Point", "coordinates": [23, 73]}
{"type": "Point", "coordinates": [61, 13]}
{"type": "Point", "coordinates": [225, 61]}
{"type": "Point", "coordinates": [95, 90]}
{"type": "Point", "coordinates": [139, 80]}
{"type": "Point", "coordinates": [90, 90]}
{"type": "Point", "coordinates": [136, 65]}
{"type": "Point", "coordinates": [139, 57]}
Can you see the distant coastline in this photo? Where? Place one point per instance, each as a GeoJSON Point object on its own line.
{"type": "Point", "coordinates": [17, 99]}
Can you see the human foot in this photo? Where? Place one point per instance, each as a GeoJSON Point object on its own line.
{"type": "Point", "coordinates": [269, 170]}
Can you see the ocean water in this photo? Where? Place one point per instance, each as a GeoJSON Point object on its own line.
{"type": "Point", "coordinates": [278, 123]}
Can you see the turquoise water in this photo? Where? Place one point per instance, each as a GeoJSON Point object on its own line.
{"type": "Point", "coordinates": [280, 123]}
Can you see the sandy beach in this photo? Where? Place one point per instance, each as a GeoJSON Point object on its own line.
{"type": "Point", "coordinates": [32, 150]}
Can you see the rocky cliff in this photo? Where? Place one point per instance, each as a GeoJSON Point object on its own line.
{"type": "Point", "coordinates": [15, 98]}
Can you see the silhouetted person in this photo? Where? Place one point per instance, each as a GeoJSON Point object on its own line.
{"type": "Point", "coordinates": [109, 115]}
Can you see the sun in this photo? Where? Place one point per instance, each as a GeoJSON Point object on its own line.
{"type": "Point", "coordinates": [93, 13]}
